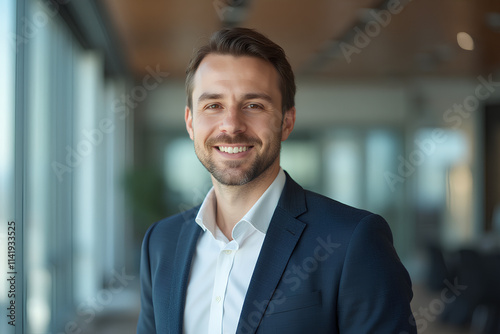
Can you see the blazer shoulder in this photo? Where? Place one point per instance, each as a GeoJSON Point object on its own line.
{"type": "Point", "coordinates": [170, 227]}
{"type": "Point", "coordinates": [326, 215]}
{"type": "Point", "coordinates": [321, 205]}
{"type": "Point", "coordinates": [321, 213]}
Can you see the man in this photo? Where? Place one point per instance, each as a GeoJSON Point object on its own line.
{"type": "Point", "coordinates": [261, 254]}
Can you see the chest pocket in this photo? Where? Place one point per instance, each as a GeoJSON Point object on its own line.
{"type": "Point", "coordinates": [297, 314]}
{"type": "Point", "coordinates": [291, 303]}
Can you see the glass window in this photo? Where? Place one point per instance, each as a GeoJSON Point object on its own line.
{"type": "Point", "coordinates": [7, 126]}
{"type": "Point", "coordinates": [444, 185]}
{"type": "Point", "coordinates": [188, 181]}
{"type": "Point", "coordinates": [382, 148]}
{"type": "Point", "coordinates": [302, 160]}
{"type": "Point", "coordinates": [77, 149]}
{"type": "Point", "coordinates": [344, 167]}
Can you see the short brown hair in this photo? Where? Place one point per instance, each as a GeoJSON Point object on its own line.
{"type": "Point", "coordinates": [245, 42]}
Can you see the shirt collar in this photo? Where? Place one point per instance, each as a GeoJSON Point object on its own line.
{"type": "Point", "coordinates": [259, 215]}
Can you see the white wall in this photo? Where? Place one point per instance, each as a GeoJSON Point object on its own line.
{"type": "Point", "coordinates": [322, 103]}
{"type": "Point", "coordinates": [319, 104]}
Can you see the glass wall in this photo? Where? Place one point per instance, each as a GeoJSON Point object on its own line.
{"type": "Point", "coordinates": [73, 144]}
{"type": "Point", "coordinates": [7, 163]}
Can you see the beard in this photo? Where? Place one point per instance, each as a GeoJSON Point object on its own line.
{"type": "Point", "coordinates": [232, 172]}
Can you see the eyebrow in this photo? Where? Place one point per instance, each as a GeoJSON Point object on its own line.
{"type": "Point", "coordinates": [262, 96]}
{"type": "Point", "coordinates": [249, 96]}
{"type": "Point", "coordinates": [209, 96]}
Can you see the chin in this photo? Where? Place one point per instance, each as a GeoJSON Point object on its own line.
{"type": "Point", "coordinates": [225, 178]}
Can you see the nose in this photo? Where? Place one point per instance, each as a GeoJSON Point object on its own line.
{"type": "Point", "coordinates": [233, 121]}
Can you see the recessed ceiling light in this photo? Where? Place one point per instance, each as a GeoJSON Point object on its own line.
{"type": "Point", "coordinates": [465, 41]}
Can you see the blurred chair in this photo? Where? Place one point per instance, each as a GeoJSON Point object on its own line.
{"type": "Point", "coordinates": [486, 316]}
{"type": "Point", "coordinates": [471, 274]}
{"type": "Point", "coordinates": [479, 304]}
{"type": "Point", "coordinates": [438, 270]}
{"type": "Point", "coordinates": [486, 320]}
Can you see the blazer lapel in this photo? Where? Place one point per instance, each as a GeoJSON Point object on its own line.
{"type": "Point", "coordinates": [186, 246]}
{"type": "Point", "coordinates": [282, 235]}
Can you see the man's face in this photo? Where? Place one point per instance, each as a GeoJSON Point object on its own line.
{"type": "Point", "coordinates": [237, 124]}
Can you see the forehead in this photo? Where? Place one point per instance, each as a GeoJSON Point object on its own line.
{"type": "Point", "coordinates": [235, 72]}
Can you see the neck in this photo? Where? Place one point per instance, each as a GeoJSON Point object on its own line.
{"type": "Point", "coordinates": [233, 202]}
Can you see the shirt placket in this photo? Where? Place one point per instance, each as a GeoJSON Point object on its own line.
{"type": "Point", "coordinates": [225, 262]}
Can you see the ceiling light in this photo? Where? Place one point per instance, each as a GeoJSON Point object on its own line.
{"type": "Point", "coordinates": [465, 41]}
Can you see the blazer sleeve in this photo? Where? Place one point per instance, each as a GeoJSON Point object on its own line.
{"type": "Point", "coordinates": [146, 323]}
{"type": "Point", "coordinates": [375, 288]}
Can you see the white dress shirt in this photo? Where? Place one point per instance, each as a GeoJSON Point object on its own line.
{"type": "Point", "coordinates": [221, 269]}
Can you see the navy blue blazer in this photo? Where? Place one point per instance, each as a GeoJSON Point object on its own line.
{"type": "Point", "coordinates": [324, 267]}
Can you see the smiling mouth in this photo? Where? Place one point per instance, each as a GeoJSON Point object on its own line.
{"type": "Point", "coordinates": [233, 149]}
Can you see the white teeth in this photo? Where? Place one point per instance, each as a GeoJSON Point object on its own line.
{"type": "Point", "coordinates": [232, 150]}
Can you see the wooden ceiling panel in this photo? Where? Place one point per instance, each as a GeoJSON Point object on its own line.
{"type": "Point", "coordinates": [489, 34]}
{"type": "Point", "coordinates": [419, 40]}
{"type": "Point", "coordinates": [302, 27]}
{"type": "Point", "coordinates": [162, 32]}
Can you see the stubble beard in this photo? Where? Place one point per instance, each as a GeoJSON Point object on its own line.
{"type": "Point", "coordinates": [230, 173]}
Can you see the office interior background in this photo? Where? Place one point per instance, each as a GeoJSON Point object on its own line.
{"type": "Point", "coordinates": [398, 112]}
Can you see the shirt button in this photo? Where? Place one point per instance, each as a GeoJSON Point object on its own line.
{"type": "Point", "coordinates": [228, 252]}
{"type": "Point", "coordinates": [218, 299]}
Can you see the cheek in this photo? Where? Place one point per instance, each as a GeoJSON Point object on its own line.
{"type": "Point", "coordinates": [275, 124]}
{"type": "Point", "coordinates": [200, 128]}
{"type": "Point", "coordinates": [270, 130]}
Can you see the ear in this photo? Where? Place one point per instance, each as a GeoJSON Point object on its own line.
{"type": "Point", "coordinates": [188, 117]}
{"type": "Point", "coordinates": [288, 123]}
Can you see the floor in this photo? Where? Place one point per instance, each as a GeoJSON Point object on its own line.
{"type": "Point", "coordinates": [425, 306]}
